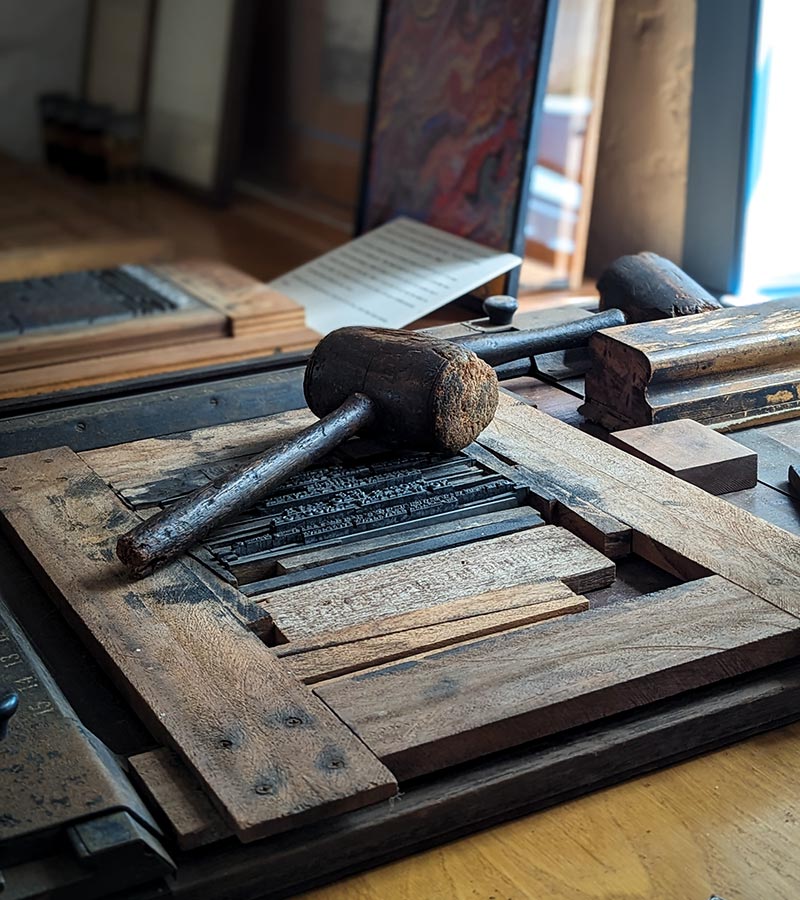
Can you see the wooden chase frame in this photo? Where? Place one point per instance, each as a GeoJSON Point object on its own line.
{"type": "Point", "coordinates": [355, 703]}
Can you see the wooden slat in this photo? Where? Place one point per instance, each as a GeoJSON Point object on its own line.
{"type": "Point", "coordinates": [462, 702]}
{"type": "Point", "coordinates": [269, 754]}
{"type": "Point", "coordinates": [138, 333]}
{"type": "Point", "coordinates": [139, 463]}
{"type": "Point", "coordinates": [526, 557]}
{"type": "Point", "coordinates": [169, 785]}
{"type": "Point", "coordinates": [138, 363]}
{"type": "Point", "coordinates": [704, 529]}
{"type": "Point", "coordinates": [561, 506]}
{"type": "Point", "coordinates": [340, 659]}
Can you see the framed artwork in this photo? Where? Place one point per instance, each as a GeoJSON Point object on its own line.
{"type": "Point", "coordinates": [457, 92]}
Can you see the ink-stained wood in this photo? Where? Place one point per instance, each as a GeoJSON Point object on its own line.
{"type": "Point", "coordinates": [730, 368]}
{"type": "Point", "coordinates": [561, 506]}
{"type": "Point", "coordinates": [693, 453]}
{"type": "Point", "coordinates": [137, 464]}
{"type": "Point", "coordinates": [526, 557]}
{"type": "Point", "coordinates": [269, 754]}
{"type": "Point", "coordinates": [439, 709]}
{"type": "Point", "coordinates": [778, 447]}
{"type": "Point", "coordinates": [690, 523]}
{"type": "Point", "coordinates": [168, 785]}
{"type": "Point", "coordinates": [417, 632]}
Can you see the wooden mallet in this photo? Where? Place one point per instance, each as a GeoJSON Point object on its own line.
{"type": "Point", "coordinates": [409, 389]}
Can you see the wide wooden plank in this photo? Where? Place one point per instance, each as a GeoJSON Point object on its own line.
{"type": "Point", "coordinates": [561, 506]}
{"type": "Point", "coordinates": [450, 611]}
{"type": "Point", "coordinates": [269, 754]}
{"type": "Point", "coordinates": [704, 529]}
{"type": "Point", "coordinates": [526, 557]}
{"type": "Point", "coordinates": [693, 453]}
{"type": "Point", "coordinates": [319, 665]}
{"type": "Point", "coordinates": [465, 701]}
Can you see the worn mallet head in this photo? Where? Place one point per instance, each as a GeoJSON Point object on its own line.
{"type": "Point", "coordinates": [429, 394]}
{"type": "Point", "coordinates": [646, 287]}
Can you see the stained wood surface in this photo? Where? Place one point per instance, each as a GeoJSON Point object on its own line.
{"type": "Point", "coordinates": [703, 529]}
{"type": "Point", "coordinates": [269, 754]}
{"type": "Point", "coordinates": [693, 453]}
{"type": "Point", "coordinates": [478, 697]}
{"type": "Point", "coordinates": [350, 650]}
{"type": "Point", "coordinates": [729, 368]}
{"type": "Point", "coordinates": [526, 557]}
{"type": "Point", "coordinates": [139, 463]}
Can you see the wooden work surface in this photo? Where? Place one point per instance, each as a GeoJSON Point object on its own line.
{"type": "Point", "coordinates": [529, 867]}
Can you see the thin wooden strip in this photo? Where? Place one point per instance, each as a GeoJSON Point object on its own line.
{"type": "Point", "coordinates": [436, 614]}
{"type": "Point", "coordinates": [563, 507]}
{"type": "Point", "coordinates": [465, 701]}
{"type": "Point", "coordinates": [319, 665]}
{"type": "Point", "coordinates": [138, 363]}
{"type": "Point", "coordinates": [169, 785]}
{"type": "Point", "coordinates": [139, 333]}
{"type": "Point", "coordinates": [270, 756]}
{"type": "Point", "coordinates": [705, 529]}
{"type": "Point", "coordinates": [525, 557]}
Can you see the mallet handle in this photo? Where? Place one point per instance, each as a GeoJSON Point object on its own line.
{"type": "Point", "coordinates": [183, 524]}
{"type": "Point", "coordinates": [505, 346]}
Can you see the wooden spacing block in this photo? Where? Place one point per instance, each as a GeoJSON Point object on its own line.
{"type": "Point", "coordinates": [694, 453]}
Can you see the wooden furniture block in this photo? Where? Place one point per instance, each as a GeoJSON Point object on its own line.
{"type": "Point", "coordinates": [201, 682]}
{"type": "Point", "coordinates": [168, 784]}
{"type": "Point", "coordinates": [729, 369]}
{"type": "Point", "coordinates": [693, 453]}
{"type": "Point", "coordinates": [443, 708]}
{"type": "Point", "coordinates": [528, 557]}
{"type": "Point", "coordinates": [398, 637]}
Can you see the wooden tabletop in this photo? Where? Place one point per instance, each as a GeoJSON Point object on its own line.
{"type": "Point", "coordinates": [727, 823]}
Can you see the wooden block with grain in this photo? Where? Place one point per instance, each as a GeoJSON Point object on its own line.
{"type": "Point", "coordinates": [525, 557]}
{"type": "Point", "coordinates": [693, 453]}
{"type": "Point", "coordinates": [438, 709]}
